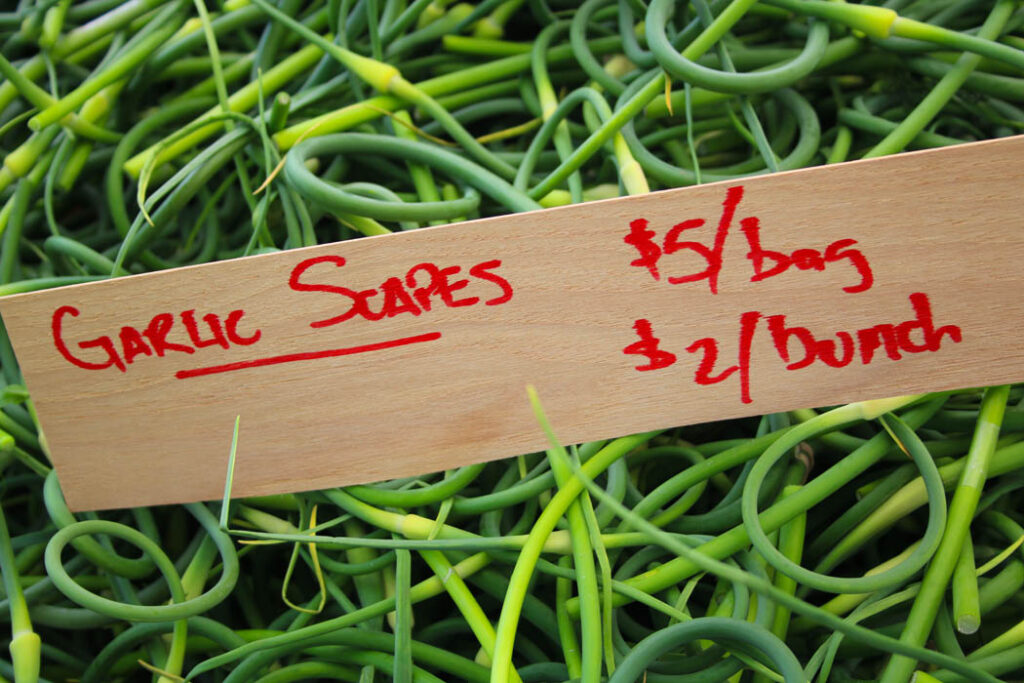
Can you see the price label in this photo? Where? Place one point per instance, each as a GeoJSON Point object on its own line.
{"type": "Point", "coordinates": [405, 354]}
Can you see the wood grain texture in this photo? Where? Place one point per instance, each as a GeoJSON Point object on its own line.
{"type": "Point", "coordinates": [365, 400]}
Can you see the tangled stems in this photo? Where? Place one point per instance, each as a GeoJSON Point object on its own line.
{"type": "Point", "coordinates": [330, 196]}
{"type": "Point", "coordinates": [387, 79]}
{"type": "Point", "coordinates": [141, 632]}
{"type": "Point", "coordinates": [785, 509]}
{"type": "Point", "coordinates": [133, 54]}
{"type": "Point", "coordinates": [650, 87]}
{"type": "Point", "coordinates": [240, 101]}
{"type": "Point", "coordinates": [180, 608]}
{"type": "Point", "coordinates": [772, 78]}
{"type": "Point", "coordinates": [765, 588]}
{"type": "Point", "coordinates": [912, 496]}
{"type": "Point", "coordinates": [825, 422]}
{"type": "Point", "coordinates": [421, 591]}
{"type": "Point", "coordinates": [708, 628]}
{"type": "Point", "coordinates": [130, 568]}
{"type": "Point", "coordinates": [945, 89]}
{"type": "Point", "coordinates": [805, 149]}
{"type": "Point", "coordinates": [497, 109]}
{"type": "Point", "coordinates": [528, 556]}
{"type": "Point", "coordinates": [961, 511]}
{"type": "Point", "coordinates": [113, 608]}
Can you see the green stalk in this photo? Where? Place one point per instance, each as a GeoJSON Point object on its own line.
{"type": "Point", "coordinates": [420, 174]}
{"type": "Point", "coordinates": [607, 587]}
{"type": "Point", "coordinates": [791, 545]}
{"type": "Point", "coordinates": [403, 672]}
{"type": "Point", "coordinates": [961, 511]}
{"type": "Point", "coordinates": [966, 602]}
{"type": "Point", "coordinates": [208, 86]}
{"type": "Point", "coordinates": [463, 598]}
{"type": "Point", "coordinates": [542, 528]}
{"type": "Point", "coordinates": [387, 79]}
{"type": "Point", "coordinates": [53, 22]}
{"type": "Point", "coordinates": [493, 25]}
{"type": "Point", "coordinates": [586, 580]}
{"type": "Point", "coordinates": [25, 643]}
{"type": "Point", "coordinates": [549, 102]}
{"type": "Point", "coordinates": [566, 624]}
{"type": "Point", "coordinates": [483, 47]}
{"type": "Point", "coordinates": [1010, 638]}
{"type": "Point", "coordinates": [1014, 636]}
{"type": "Point", "coordinates": [23, 161]}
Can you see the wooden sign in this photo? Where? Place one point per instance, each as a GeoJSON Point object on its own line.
{"type": "Point", "coordinates": [405, 354]}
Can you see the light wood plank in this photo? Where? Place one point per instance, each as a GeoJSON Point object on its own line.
{"type": "Point", "coordinates": [365, 400]}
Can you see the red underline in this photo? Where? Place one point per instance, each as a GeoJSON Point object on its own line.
{"type": "Point", "coordinates": [306, 355]}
